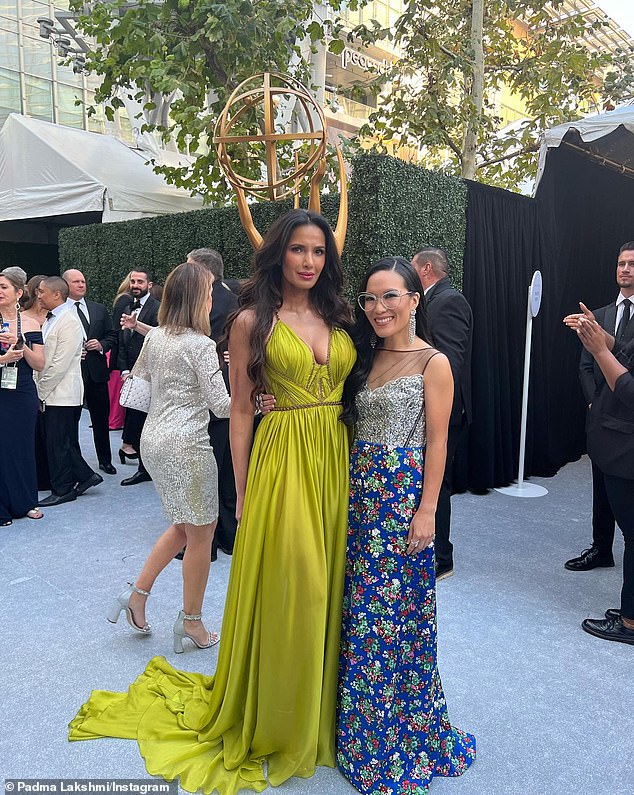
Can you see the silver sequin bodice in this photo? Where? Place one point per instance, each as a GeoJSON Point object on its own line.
{"type": "Point", "coordinates": [393, 414]}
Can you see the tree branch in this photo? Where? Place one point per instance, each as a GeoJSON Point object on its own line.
{"type": "Point", "coordinates": [525, 151]}
{"type": "Point", "coordinates": [210, 56]}
{"type": "Point", "coordinates": [450, 143]}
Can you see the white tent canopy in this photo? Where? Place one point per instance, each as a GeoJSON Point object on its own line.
{"type": "Point", "coordinates": [605, 137]}
{"type": "Point", "coordinates": [49, 170]}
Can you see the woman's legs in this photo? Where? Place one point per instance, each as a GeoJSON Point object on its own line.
{"type": "Point", "coordinates": [162, 553]}
{"type": "Point", "coordinates": [196, 561]}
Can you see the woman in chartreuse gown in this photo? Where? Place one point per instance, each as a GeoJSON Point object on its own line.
{"type": "Point", "coordinates": [393, 733]}
{"type": "Point", "coordinates": [272, 700]}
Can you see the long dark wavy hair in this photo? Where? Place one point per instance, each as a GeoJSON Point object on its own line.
{"type": "Point", "coordinates": [362, 332]}
{"type": "Point", "coordinates": [263, 291]}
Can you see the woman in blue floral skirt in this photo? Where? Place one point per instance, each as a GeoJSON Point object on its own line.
{"type": "Point", "coordinates": [393, 733]}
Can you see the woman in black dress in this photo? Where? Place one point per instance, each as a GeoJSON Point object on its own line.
{"type": "Point", "coordinates": [21, 352]}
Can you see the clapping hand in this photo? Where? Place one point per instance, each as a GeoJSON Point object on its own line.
{"type": "Point", "coordinates": [573, 321]}
{"type": "Point", "coordinates": [592, 336]}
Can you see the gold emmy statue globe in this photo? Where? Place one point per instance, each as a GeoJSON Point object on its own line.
{"type": "Point", "coordinates": [253, 129]}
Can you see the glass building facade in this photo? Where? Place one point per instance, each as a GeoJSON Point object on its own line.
{"type": "Point", "coordinates": [33, 82]}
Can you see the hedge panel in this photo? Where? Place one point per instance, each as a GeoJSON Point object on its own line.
{"type": "Point", "coordinates": [395, 208]}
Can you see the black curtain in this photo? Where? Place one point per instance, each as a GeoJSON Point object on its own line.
{"type": "Point", "coordinates": [503, 249]}
{"type": "Point", "coordinates": [571, 232]}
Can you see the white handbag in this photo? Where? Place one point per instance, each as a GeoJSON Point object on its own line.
{"type": "Point", "coordinates": [136, 393]}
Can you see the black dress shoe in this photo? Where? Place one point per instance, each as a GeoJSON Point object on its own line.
{"type": "Point", "coordinates": [609, 629]}
{"type": "Point", "coordinates": [57, 499]}
{"type": "Point", "coordinates": [108, 469]}
{"type": "Point", "coordinates": [138, 477]}
{"type": "Point", "coordinates": [442, 572]}
{"type": "Point", "coordinates": [590, 559]}
{"type": "Point", "coordinates": [93, 480]}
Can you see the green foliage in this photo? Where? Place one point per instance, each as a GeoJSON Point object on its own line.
{"type": "Point", "coordinates": [543, 63]}
{"type": "Point", "coordinates": [395, 208]}
{"type": "Point", "coordinates": [190, 55]}
{"type": "Point", "coordinates": [105, 253]}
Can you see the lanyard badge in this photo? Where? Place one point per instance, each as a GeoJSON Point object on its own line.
{"type": "Point", "coordinates": [9, 378]}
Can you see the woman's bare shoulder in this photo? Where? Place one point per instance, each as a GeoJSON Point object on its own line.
{"type": "Point", "coordinates": [244, 322]}
{"type": "Point", "coordinates": [29, 323]}
{"type": "Point", "coordinates": [437, 365]}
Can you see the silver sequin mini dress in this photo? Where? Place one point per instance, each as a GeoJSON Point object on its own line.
{"type": "Point", "coordinates": [186, 383]}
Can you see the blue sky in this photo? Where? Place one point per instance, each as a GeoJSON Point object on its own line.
{"type": "Point", "coordinates": [621, 11]}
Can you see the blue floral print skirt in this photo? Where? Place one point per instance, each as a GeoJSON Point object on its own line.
{"type": "Point", "coordinates": [393, 733]}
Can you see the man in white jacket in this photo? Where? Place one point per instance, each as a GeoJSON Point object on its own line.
{"type": "Point", "coordinates": [61, 391]}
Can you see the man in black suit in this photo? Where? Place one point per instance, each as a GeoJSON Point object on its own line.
{"type": "Point", "coordinates": [99, 339]}
{"type": "Point", "coordinates": [615, 318]}
{"type": "Point", "coordinates": [224, 302]}
{"type": "Point", "coordinates": [142, 310]}
{"type": "Point", "coordinates": [451, 325]}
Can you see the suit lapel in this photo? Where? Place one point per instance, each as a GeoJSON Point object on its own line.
{"type": "Point", "coordinates": [92, 318]}
{"type": "Point", "coordinates": [144, 309]}
{"type": "Point", "coordinates": [610, 319]}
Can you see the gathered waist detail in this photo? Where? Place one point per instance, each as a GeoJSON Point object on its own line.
{"type": "Point", "coordinates": [299, 406]}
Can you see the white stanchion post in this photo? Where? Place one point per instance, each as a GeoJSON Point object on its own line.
{"type": "Point", "coordinates": [522, 489]}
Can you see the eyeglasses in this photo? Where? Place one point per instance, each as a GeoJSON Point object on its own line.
{"type": "Point", "coordinates": [390, 299]}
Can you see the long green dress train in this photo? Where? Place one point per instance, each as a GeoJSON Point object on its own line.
{"type": "Point", "coordinates": [273, 696]}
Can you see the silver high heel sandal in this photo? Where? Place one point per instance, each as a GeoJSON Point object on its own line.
{"type": "Point", "coordinates": [180, 633]}
{"type": "Point", "coordinates": [122, 602]}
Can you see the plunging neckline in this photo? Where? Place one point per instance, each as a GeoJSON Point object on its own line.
{"type": "Point", "coordinates": [391, 381]}
{"type": "Point", "coordinates": [307, 346]}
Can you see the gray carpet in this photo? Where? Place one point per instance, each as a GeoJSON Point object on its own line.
{"type": "Point", "coordinates": [552, 707]}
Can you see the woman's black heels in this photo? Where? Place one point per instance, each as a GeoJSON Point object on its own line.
{"type": "Point", "coordinates": [123, 455]}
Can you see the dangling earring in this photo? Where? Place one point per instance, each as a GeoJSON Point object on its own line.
{"type": "Point", "coordinates": [373, 340]}
{"type": "Point", "coordinates": [412, 326]}
{"type": "Point", "coordinates": [17, 306]}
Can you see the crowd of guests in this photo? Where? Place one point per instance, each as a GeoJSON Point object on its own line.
{"type": "Point", "coordinates": [328, 650]}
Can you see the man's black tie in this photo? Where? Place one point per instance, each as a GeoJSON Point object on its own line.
{"type": "Point", "coordinates": [49, 315]}
{"type": "Point", "coordinates": [625, 319]}
{"type": "Point", "coordinates": [82, 317]}
{"type": "Point", "coordinates": [136, 304]}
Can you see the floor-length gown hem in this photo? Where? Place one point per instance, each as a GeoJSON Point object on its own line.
{"type": "Point", "coordinates": [393, 733]}
{"type": "Point", "coordinates": [271, 703]}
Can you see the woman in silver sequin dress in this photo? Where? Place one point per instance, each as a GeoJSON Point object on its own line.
{"type": "Point", "coordinates": [180, 361]}
{"type": "Point", "coordinates": [393, 732]}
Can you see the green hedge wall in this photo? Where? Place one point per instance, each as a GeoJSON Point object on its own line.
{"type": "Point", "coordinates": [395, 208]}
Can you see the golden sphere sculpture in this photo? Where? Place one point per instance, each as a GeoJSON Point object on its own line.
{"type": "Point", "coordinates": [248, 124]}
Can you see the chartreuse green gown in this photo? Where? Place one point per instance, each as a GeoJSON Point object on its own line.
{"type": "Point", "coordinates": [273, 697]}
